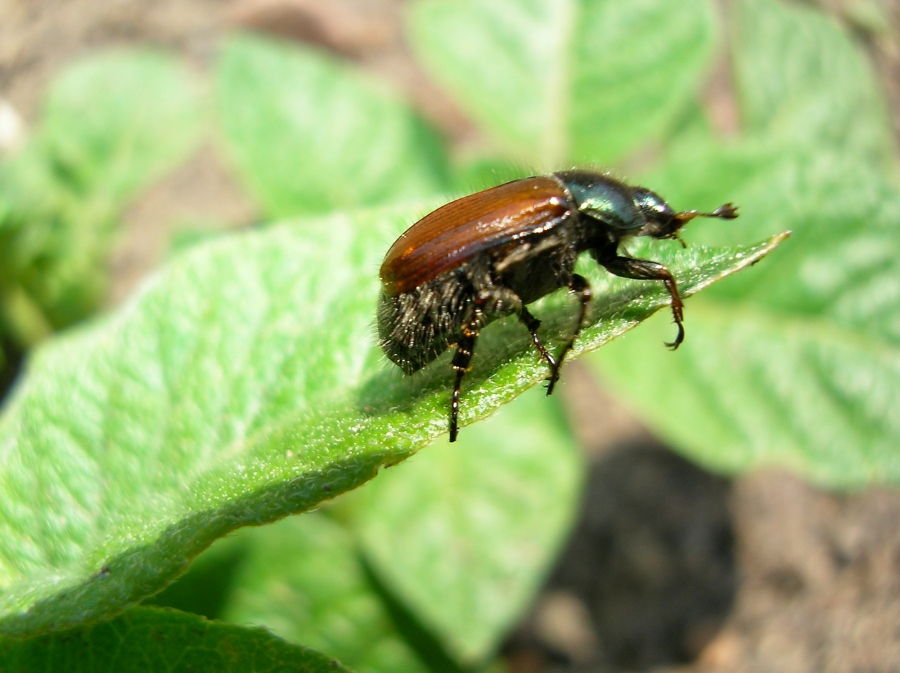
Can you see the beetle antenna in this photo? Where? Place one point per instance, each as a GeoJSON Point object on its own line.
{"type": "Point", "coordinates": [726, 211]}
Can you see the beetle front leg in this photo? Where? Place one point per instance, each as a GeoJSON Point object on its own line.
{"type": "Point", "coordinates": [642, 269]}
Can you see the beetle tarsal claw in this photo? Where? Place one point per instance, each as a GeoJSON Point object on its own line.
{"type": "Point", "coordinates": [679, 338]}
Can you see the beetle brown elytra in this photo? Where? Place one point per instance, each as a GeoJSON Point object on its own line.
{"type": "Point", "coordinates": [489, 254]}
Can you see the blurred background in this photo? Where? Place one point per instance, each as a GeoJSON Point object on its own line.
{"type": "Point", "coordinates": [669, 566]}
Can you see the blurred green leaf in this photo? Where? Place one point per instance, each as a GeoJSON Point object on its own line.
{"type": "Point", "coordinates": [163, 641]}
{"type": "Point", "coordinates": [753, 387]}
{"type": "Point", "coordinates": [116, 121]}
{"type": "Point", "coordinates": [112, 124]}
{"type": "Point", "coordinates": [479, 522]}
{"type": "Point", "coordinates": [303, 580]}
{"type": "Point", "coordinates": [241, 385]}
{"type": "Point", "coordinates": [795, 363]}
{"type": "Point", "coordinates": [21, 318]}
{"type": "Point", "coordinates": [483, 172]}
{"type": "Point", "coordinates": [800, 78]}
{"type": "Point", "coordinates": [310, 135]}
{"type": "Point", "coordinates": [209, 581]}
{"type": "Point", "coordinates": [574, 81]}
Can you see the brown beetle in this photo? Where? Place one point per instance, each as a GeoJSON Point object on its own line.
{"type": "Point", "coordinates": [490, 254]}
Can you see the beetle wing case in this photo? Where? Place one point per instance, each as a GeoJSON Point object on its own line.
{"type": "Point", "coordinates": [458, 231]}
{"type": "Point", "coordinates": [434, 272]}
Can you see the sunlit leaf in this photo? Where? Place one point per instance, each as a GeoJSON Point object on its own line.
{"type": "Point", "coordinates": [241, 385]}
{"type": "Point", "coordinates": [560, 81]}
{"type": "Point", "coordinates": [163, 641]}
{"type": "Point", "coordinates": [304, 580]}
{"type": "Point", "coordinates": [479, 522]}
{"type": "Point", "coordinates": [311, 135]}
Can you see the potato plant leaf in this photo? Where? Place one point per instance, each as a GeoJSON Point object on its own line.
{"type": "Point", "coordinates": [796, 363]}
{"type": "Point", "coordinates": [303, 579]}
{"type": "Point", "coordinates": [310, 135]}
{"type": "Point", "coordinates": [112, 124]}
{"type": "Point", "coordinates": [800, 77]}
{"type": "Point", "coordinates": [163, 641]}
{"type": "Point", "coordinates": [580, 81]}
{"type": "Point", "coordinates": [479, 522]}
{"type": "Point", "coordinates": [116, 121]}
{"type": "Point", "coordinates": [242, 384]}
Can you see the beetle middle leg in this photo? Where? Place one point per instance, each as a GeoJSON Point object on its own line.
{"type": "Point", "coordinates": [503, 301]}
{"type": "Point", "coordinates": [642, 269]}
{"type": "Point", "coordinates": [533, 324]}
{"type": "Point", "coordinates": [577, 285]}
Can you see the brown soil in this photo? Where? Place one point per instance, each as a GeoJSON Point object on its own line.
{"type": "Point", "coordinates": [670, 568]}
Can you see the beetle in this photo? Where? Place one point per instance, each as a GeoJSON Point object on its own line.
{"type": "Point", "coordinates": [489, 254]}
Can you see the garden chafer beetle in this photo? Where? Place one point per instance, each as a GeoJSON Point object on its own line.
{"type": "Point", "coordinates": [490, 254]}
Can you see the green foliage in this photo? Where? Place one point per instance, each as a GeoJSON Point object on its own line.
{"type": "Point", "coordinates": [309, 135]}
{"type": "Point", "coordinates": [111, 125]}
{"type": "Point", "coordinates": [164, 641]}
{"type": "Point", "coordinates": [479, 522]}
{"type": "Point", "coordinates": [801, 81]}
{"type": "Point", "coordinates": [241, 386]}
{"type": "Point", "coordinates": [556, 82]}
{"type": "Point", "coordinates": [796, 363]}
{"type": "Point", "coordinates": [477, 549]}
{"type": "Point", "coordinates": [323, 598]}
{"type": "Point", "coordinates": [115, 122]}
{"type": "Point", "coordinates": [243, 383]}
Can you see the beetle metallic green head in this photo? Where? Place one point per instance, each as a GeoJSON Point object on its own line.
{"type": "Point", "coordinates": [630, 210]}
{"type": "Point", "coordinates": [663, 222]}
{"type": "Point", "coordinates": [660, 221]}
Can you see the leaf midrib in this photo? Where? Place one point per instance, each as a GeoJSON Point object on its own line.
{"type": "Point", "coordinates": [556, 148]}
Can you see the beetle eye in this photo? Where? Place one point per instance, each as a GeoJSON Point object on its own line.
{"type": "Point", "coordinates": [659, 215]}
{"type": "Point", "coordinates": [652, 204]}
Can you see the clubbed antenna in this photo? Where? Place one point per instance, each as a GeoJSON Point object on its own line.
{"type": "Point", "coordinates": [727, 211]}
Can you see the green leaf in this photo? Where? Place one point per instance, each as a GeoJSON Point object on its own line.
{"type": "Point", "coordinates": [796, 362]}
{"type": "Point", "coordinates": [21, 317]}
{"type": "Point", "coordinates": [567, 81]}
{"type": "Point", "coordinates": [112, 124]}
{"type": "Point", "coordinates": [209, 581]}
{"type": "Point", "coordinates": [303, 580]}
{"type": "Point", "coordinates": [163, 641]}
{"type": "Point", "coordinates": [241, 385]}
{"type": "Point", "coordinates": [310, 135]}
{"type": "Point", "coordinates": [116, 121]}
{"type": "Point", "coordinates": [800, 77]}
{"type": "Point", "coordinates": [752, 387]}
{"type": "Point", "coordinates": [464, 533]}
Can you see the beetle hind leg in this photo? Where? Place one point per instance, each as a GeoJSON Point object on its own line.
{"type": "Point", "coordinates": [533, 324]}
{"type": "Point", "coordinates": [462, 358]}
